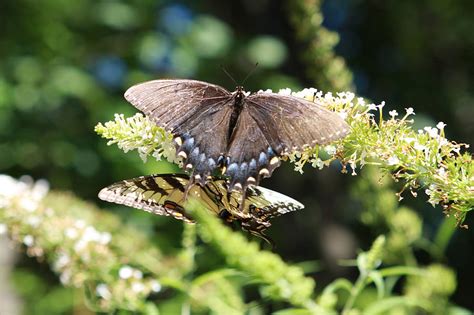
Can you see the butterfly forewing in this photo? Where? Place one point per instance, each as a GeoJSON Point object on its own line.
{"type": "Point", "coordinates": [174, 103]}
{"type": "Point", "coordinates": [161, 195]}
{"type": "Point", "coordinates": [292, 122]}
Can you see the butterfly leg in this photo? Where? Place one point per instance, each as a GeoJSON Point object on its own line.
{"type": "Point", "coordinates": [188, 187]}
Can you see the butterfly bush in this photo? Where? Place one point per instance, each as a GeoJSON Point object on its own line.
{"type": "Point", "coordinates": [84, 247]}
{"type": "Point", "coordinates": [420, 159]}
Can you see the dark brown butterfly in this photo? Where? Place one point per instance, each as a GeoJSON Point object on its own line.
{"type": "Point", "coordinates": [242, 135]}
{"type": "Point", "coordinates": [165, 194]}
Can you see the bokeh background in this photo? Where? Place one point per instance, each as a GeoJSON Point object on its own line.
{"type": "Point", "coordinates": [64, 66]}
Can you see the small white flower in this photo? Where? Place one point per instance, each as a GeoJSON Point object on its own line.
{"type": "Point", "coordinates": [10, 186]}
{"type": "Point", "coordinates": [80, 245]}
{"type": "Point", "coordinates": [393, 160]}
{"type": "Point", "coordinates": [432, 132]}
{"type": "Point", "coordinates": [80, 224]}
{"type": "Point", "coordinates": [62, 261]}
{"type": "Point", "coordinates": [354, 167]}
{"type": "Point", "coordinates": [307, 93]}
{"type": "Point", "coordinates": [286, 91]}
{"type": "Point", "coordinates": [441, 125]}
{"type": "Point", "coordinates": [91, 234]}
{"type": "Point", "coordinates": [28, 204]}
{"type": "Point", "coordinates": [317, 163]}
{"type": "Point", "coordinates": [419, 147]}
{"type": "Point", "coordinates": [137, 274]}
{"type": "Point", "coordinates": [40, 189]}
{"type": "Point", "coordinates": [105, 238]}
{"type": "Point", "coordinates": [71, 233]}
{"type": "Point", "coordinates": [371, 107]}
{"type": "Point", "coordinates": [138, 287]}
{"type": "Point", "coordinates": [409, 140]}
{"type": "Point", "coordinates": [65, 277]}
{"type": "Point", "coordinates": [125, 272]}
{"type": "Point", "coordinates": [28, 240]}
{"type": "Point", "coordinates": [103, 291]}
{"type": "Point", "coordinates": [155, 286]}
{"type": "Point", "coordinates": [363, 155]}
{"type": "Point", "coordinates": [330, 149]}
{"type": "Point", "coordinates": [410, 111]}
{"type": "Point", "coordinates": [442, 172]}
{"type": "Point", "coordinates": [429, 191]}
{"type": "Point", "coordinates": [343, 115]}
{"type": "Point", "coordinates": [381, 105]}
{"type": "Point", "coordinates": [3, 228]}
{"type": "Point", "coordinates": [34, 221]}
{"type": "Point", "coordinates": [393, 113]}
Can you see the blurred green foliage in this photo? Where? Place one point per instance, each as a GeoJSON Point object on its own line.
{"type": "Point", "coordinates": [64, 66]}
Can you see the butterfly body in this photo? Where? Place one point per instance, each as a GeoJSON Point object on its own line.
{"type": "Point", "coordinates": [240, 134]}
{"type": "Point", "coordinates": [166, 195]}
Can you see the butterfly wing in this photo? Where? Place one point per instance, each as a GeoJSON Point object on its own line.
{"type": "Point", "coordinates": [197, 113]}
{"type": "Point", "coordinates": [172, 104]}
{"type": "Point", "coordinates": [157, 194]}
{"type": "Point", "coordinates": [264, 204]}
{"type": "Point", "coordinates": [250, 152]}
{"type": "Point", "coordinates": [271, 124]}
{"type": "Point", "coordinates": [260, 205]}
{"type": "Point", "coordinates": [290, 122]}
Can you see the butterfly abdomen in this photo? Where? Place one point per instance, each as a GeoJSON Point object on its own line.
{"type": "Point", "coordinates": [234, 117]}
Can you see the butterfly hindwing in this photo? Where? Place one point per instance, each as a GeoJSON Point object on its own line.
{"type": "Point", "coordinates": [251, 155]}
{"type": "Point", "coordinates": [264, 204]}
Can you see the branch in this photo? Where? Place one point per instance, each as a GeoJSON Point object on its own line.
{"type": "Point", "coordinates": [328, 71]}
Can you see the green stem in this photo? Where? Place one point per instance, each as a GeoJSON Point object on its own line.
{"type": "Point", "coordinates": [354, 293]}
{"type": "Point", "coordinates": [445, 232]}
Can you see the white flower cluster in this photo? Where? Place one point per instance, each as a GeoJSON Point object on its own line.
{"type": "Point", "coordinates": [134, 277]}
{"type": "Point", "coordinates": [27, 195]}
{"type": "Point", "coordinates": [130, 283]}
{"type": "Point", "coordinates": [84, 235]}
{"type": "Point", "coordinates": [81, 253]}
{"type": "Point", "coordinates": [140, 133]}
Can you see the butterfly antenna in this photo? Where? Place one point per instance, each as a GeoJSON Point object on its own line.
{"type": "Point", "coordinates": [228, 74]}
{"type": "Point", "coordinates": [250, 72]}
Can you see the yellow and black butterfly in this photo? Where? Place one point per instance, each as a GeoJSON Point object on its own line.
{"type": "Point", "coordinates": [165, 194]}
